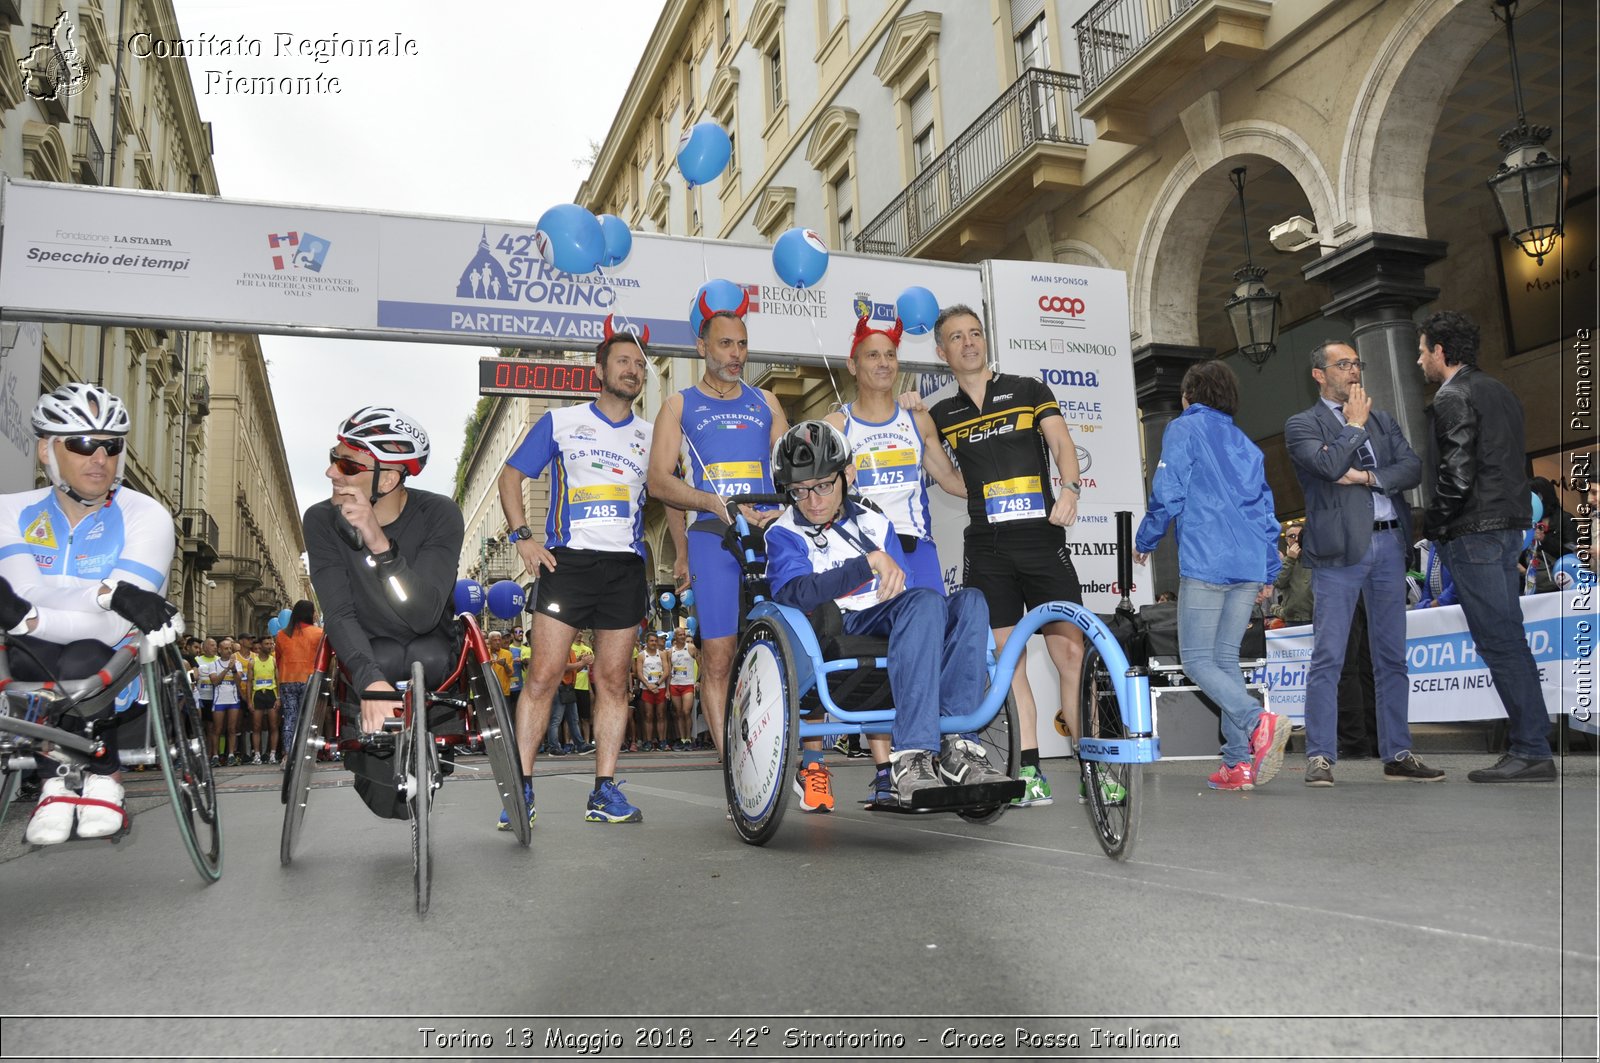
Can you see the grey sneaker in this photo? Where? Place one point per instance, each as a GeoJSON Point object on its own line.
{"type": "Point", "coordinates": [1319, 771]}
{"type": "Point", "coordinates": [912, 770]}
{"type": "Point", "coordinates": [962, 762]}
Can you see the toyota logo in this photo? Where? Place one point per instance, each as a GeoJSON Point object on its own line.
{"type": "Point", "coordinates": [1085, 460]}
{"type": "Point", "coordinates": [1068, 305]}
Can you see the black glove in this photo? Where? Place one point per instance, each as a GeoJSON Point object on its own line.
{"type": "Point", "coordinates": [13, 608]}
{"type": "Point", "coordinates": [147, 611]}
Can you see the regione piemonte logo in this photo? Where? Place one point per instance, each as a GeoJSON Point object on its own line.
{"type": "Point", "coordinates": [296, 250]}
{"type": "Point", "coordinates": [54, 71]}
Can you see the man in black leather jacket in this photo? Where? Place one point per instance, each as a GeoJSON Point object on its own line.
{"type": "Point", "coordinates": [1478, 514]}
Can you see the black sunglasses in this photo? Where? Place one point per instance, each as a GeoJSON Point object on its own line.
{"type": "Point", "coordinates": [87, 445]}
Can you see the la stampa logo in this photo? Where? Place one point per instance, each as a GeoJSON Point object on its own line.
{"type": "Point", "coordinates": [295, 250]}
{"type": "Point", "coordinates": [55, 70]}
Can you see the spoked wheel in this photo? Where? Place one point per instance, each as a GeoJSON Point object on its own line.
{"type": "Point", "coordinates": [760, 732]}
{"type": "Point", "coordinates": [420, 766]}
{"type": "Point", "coordinates": [999, 741]}
{"type": "Point", "coordinates": [497, 725]}
{"type": "Point", "coordinates": [1113, 791]}
{"type": "Point", "coordinates": [180, 741]}
{"type": "Point", "coordinates": [300, 765]}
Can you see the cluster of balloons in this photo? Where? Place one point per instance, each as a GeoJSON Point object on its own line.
{"type": "Point", "coordinates": [575, 241]}
{"type": "Point", "coordinates": [505, 599]}
{"type": "Point", "coordinates": [669, 601]}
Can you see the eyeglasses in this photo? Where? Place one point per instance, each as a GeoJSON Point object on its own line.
{"type": "Point", "coordinates": [87, 445]}
{"type": "Point", "coordinates": [799, 493]}
{"type": "Point", "coordinates": [1344, 365]}
{"type": "Point", "coordinates": [347, 466]}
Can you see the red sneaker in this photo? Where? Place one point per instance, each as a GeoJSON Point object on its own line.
{"type": "Point", "coordinates": [1266, 747]}
{"type": "Point", "coordinates": [1239, 777]}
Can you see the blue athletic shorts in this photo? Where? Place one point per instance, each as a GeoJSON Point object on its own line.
{"type": "Point", "coordinates": [714, 574]}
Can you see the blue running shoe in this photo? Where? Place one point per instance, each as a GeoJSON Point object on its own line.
{"type": "Point", "coordinates": [607, 805]}
{"type": "Point", "coordinates": [527, 795]}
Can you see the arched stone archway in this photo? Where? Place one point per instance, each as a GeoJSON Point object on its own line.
{"type": "Point", "coordinates": [1167, 264]}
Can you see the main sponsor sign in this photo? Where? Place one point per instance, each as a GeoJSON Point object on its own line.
{"type": "Point", "coordinates": [79, 253]}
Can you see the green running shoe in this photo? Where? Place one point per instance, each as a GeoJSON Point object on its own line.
{"type": "Point", "coordinates": [1111, 791]}
{"type": "Point", "coordinates": [1036, 788]}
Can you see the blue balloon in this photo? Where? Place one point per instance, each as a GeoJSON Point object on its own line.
{"type": "Point", "coordinates": [570, 238]}
{"type": "Point", "coordinates": [688, 597]}
{"type": "Point", "coordinates": [917, 309]}
{"type": "Point", "coordinates": [283, 618]}
{"type": "Point", "coordinates": [1569, 574]}
{"type": "Point", "coordinates": [703, 152]}
{"type": "Point", "coordinates": [505, 599]}
{"type": "Point", "coordinates": [692, 624]}
{"type": "Point", "coordinates": [1538, 515]}
{"type": "Point", "coordinates": [667, 600]}
{"type": "Point", "coordinates": [468, 596]}
{"type": "Point", "coordinates": [618, 237]}
{"type": "Point", "coordinates": [800, 257]}
{"type": "Point", "coordinates": [273, 627]}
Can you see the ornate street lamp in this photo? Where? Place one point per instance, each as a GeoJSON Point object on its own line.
{"type": "Point", "coordinates": [1530, 187]}
{"type": "Point", "coordinates": [1253, 310]}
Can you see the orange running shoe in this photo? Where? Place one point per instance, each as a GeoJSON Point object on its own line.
{"type": "Point", "coordinates": [814, 787]}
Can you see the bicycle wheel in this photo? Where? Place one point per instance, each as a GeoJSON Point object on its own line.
{"type": "Point", "coordinates": [496, 725]}
{"type": "Point", "coordinates": [300, 766]}
{"type": "Point", "coordinates": [1113, 792]}
{"type": "Point", "coordinates": [999, 741]}
{"type": "Point", "coordinates": [180, 741]}
{"type": "Point", "coordinates": [760, 732]}
{"type": "Point", "coordinates": [417, 748]}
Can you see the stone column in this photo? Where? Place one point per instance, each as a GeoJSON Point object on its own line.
{"type": "Point", "coordinates": [1158, 370]}
{"type": "Point", "coordinates": [1377, 283]}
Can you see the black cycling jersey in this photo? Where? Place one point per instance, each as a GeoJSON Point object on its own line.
{"type": "Point", "coordinates": [361, 605]}
{"type": "Point", "coordinates": [1001, 452]}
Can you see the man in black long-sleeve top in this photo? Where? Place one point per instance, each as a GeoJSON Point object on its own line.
{"type": "Point", "coordinates": [1478, 512]}
{"type": "Point", "coordinates": [387, 602]}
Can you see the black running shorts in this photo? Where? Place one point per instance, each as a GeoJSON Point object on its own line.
{"type": "Point", "coordinates": [594, 589]}
{"type": "Point", "coordinates": [1018, 568]}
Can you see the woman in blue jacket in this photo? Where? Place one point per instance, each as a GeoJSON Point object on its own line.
{"type": "Point", "coordinates": [1211, 481]}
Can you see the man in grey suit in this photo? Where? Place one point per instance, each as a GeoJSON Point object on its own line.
{"type": "Point", "coordinates": [1353, 464]}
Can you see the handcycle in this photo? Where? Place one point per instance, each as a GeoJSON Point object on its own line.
{"type": "Point", "coordinates": [798, 677]}
{"type": "Point", "coordinates": [471, 688]}
{"type": "Point", "coordinates": [30, 736]}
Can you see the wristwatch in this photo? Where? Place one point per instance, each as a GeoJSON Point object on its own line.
{"type": "Point", "coordinates": [1075, 486]}
{"type": "Point", "coordinates": [518, 533]}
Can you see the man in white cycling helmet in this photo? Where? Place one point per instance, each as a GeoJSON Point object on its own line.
{"type": "Point", "coordinates": [82, 561]}
{"type": "Point", "coordinates": [388, 601]}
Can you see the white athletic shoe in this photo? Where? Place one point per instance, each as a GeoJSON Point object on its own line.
{"type": "Point", "coordinates": [52, 823]}
{"type": "Point", "coordinates": [96, 821]}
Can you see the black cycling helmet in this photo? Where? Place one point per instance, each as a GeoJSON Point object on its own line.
{"type": "Point", "coordinates": [810, 450]}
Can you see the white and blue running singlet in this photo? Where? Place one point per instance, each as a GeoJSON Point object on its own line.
{"type": "Point", "coordinates": [727, 446]}
{"type": "Point", "coordinates": [60, 568]}
{"type": "Point", "coordinates": [888, 461]}
{"type": "Point", "coordinates": [597, 477]}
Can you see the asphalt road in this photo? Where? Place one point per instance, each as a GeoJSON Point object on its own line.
{"type": "Point", "coordinates": [1375, 918]}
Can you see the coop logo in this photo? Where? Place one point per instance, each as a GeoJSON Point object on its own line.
{"type": "Point", "coordinates": [864, 307]}
{"type": "Point", "coordinates": [1070, 378]}
{"type": "Point", "coordinates": [1070, 305]}
{"type": "Point", "coordinates": [295, 250]}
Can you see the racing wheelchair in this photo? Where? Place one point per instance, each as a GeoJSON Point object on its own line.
{"type": "Point", "coordinates": [800, 677]}
{"type": "Point", "coordinates": [139, 679]}
{"type": "Point", "coordinates": [471, 690]}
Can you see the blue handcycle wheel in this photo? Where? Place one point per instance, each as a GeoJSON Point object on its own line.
{"type": "Point", "coordinates": [760, 731]}
{"type": "Point", "coordinates": [1112, 793]}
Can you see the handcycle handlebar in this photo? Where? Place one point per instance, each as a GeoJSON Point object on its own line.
{"type": "Point", "coordinates": [735, 501]}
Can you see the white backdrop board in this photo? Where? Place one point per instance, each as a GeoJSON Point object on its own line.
{"type": "Point", "coordinates": [123, 256]}
{"type": "Point", "coordinates": [1066, 326]}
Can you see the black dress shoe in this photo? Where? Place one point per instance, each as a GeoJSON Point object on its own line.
{"type": "Point", "coordinates": [1515, 769]}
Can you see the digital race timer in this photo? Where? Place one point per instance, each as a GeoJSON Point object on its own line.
{"type": "Point", "coordinates": [525, 376]}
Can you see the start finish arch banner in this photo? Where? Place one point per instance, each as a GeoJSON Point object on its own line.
{"type": "Point", "coordinates": [124, 256]}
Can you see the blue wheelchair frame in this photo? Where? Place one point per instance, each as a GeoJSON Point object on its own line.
{"type": "Point", "coordinates": [1136, 744]}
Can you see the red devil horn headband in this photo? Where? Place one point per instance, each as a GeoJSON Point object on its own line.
{"type": "Point", "coordinates": [638, 332]}
{"type": "Point", "coordinates": [865, 328]}
{"type": "Point", "coordinates": [707, 310]}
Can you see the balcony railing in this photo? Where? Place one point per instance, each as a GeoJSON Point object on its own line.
{"type": "Point", "coordinates": [198, 525]}
{"type": "Point", "coordinates": [1040, 107]}
{"type": "Point", "coordinates": [1114, 30]}
{"type": "Point", "coordinates": [200, 394]}
{"type": "Point", "coordinates": [88, 153]}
